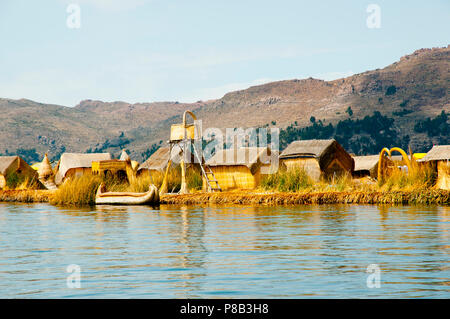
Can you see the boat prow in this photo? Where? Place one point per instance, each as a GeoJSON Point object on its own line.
{"type": "Point", "coordinates": [125, 198]}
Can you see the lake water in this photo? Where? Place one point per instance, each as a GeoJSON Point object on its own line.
{"type": "Point", "coordinates": [225, 252]}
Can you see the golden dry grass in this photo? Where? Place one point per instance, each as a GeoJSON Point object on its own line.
{"type": "Point", "coordinates": [297, 180]}
{"type": "Point", "coordinates": [421, 178]}
{"type": "Point", "coordinates": [77, 191]}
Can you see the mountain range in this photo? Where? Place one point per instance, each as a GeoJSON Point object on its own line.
{"type": "Point", "coordinates": [407, 93]}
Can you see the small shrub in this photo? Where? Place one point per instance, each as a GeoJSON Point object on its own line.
{"type": "Point", "coordinates": [391, 90]}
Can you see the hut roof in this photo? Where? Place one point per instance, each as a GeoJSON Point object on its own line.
{"type": "Point", "coordinates": [76, 160]}
{"type": "Point", "coordinates": [366, 162]}
{"type": "Point", "coordinates": [158, 160]}
{"type": "Point", "coordinates": [124, 156]}
{"type": "Point", "coordinates": [322, 150]}
{"type": "Point", "coordinates": [6, 162]}
{"type": "Point", "coordinates": [14, 163]}
{"type": "Point", "coordinates": [437, 153]}
{"type": "Point", "coordinates": [306, 148]}
{"type": "Point", "coordinates": [251, 157]}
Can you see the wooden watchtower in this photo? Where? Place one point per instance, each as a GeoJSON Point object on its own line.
{"type": "Point", "coordinates": [184, 136]}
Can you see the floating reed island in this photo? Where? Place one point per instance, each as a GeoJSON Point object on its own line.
{"type": "Point", "coordinates": [418, 197]}
{"type": "Point", "coordinates": [306, 172]}
{"type": "Point", "coordinates": [287, 186]}
{"type": "Point", "coordinates": [292, 187]}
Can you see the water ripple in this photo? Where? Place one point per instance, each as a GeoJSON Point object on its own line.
{"type": "Point", "coordinates": [224, 252]}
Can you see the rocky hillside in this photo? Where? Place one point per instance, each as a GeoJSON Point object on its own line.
{"type": "Point", "coordinates": [407, 91]}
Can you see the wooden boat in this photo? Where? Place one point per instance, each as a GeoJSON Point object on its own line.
{"type": "Point", "coordinates": [126, 198]}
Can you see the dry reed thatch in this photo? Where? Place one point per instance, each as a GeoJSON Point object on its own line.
{"type": "Point", "coordinates": [368, 165]}
{"type": "Point", "coordinates": [439, 156]}
{"type": "Point", "coordinates": [16, 173]}
{"type": "Point", "coordinates": [239, 168]}
{"type": "Point", "coordinates": [251, 157]}
{"type": "Point", "coordinates": [437, 153]}
{"type": "Point", "coordinates": [124, 156]}
{"type": "Point", "coordinates": [70, 161]}
{"type": "Point", "coordinates": [45, 169]}
{"type": "Point", "coordinates": [331, 157]}
{"type": "Point", "coordinates": [158, 161]}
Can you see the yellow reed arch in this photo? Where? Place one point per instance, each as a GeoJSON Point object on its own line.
{"type": "Point", "coordinates": [389, 152]}
{"type": "Point", "coordinates": [184, 117]}
{"type": "Point", "coordinates": [380, 161]}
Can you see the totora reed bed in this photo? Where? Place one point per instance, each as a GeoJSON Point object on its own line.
{"type": "Point", "coordinates": [282, 188]}
{"type": "Point", "coordinates": [438, 197]}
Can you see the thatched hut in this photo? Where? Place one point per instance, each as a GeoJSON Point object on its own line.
{"type": "Point", "coordinates": [14, 170]}
{"type": "Point", "coordinates": [439, 158]}
{"type": "Point", "coordinates": [368, 165]}
{"type": "Point", "coordinates": [319, 158]}
{"type": "Point", "coordinates": [158, 161]}
{"type": "Point", "coordinates": [75, 164]}
{"type": "Point", "coordinates": [239, 168]}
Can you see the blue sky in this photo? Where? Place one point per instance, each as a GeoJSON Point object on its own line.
{"type": "Point", "coordinates": [179, 50]}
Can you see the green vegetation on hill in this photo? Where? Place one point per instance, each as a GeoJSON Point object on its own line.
{"type": "Point", "coordinates": [438, 126]}
{"type": "Point", "coordinates": [29, 155]}
{"type": "Point", "coordinates": [367, 135]}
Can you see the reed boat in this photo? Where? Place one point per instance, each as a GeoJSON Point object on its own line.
{"type": "Point", "coordinates": [127, 198]}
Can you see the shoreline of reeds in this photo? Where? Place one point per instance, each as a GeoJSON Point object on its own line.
{"type": "Point", "coordinates": [427, 197]}
{"type": "Point", "coordinates": [419, 197]}
{"type": "Point", "coordinates": [26, 196]}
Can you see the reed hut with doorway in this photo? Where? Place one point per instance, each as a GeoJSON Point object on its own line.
{"type": "Point", "coordinates": [439, 159]}
{"type": "Point", "coordinates": [77, 164]}
{"type": "Point", "coordinates": [319, 158]}
{"type": "Point", "coordinates": [14, 171]}
{"type": "Point", "coordinates": [241, 168]}
{"type": "Point", "coordinates": [368, 165]}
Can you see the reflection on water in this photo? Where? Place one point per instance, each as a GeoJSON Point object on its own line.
{"type": "Point", "coordinates": [214, 251]}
